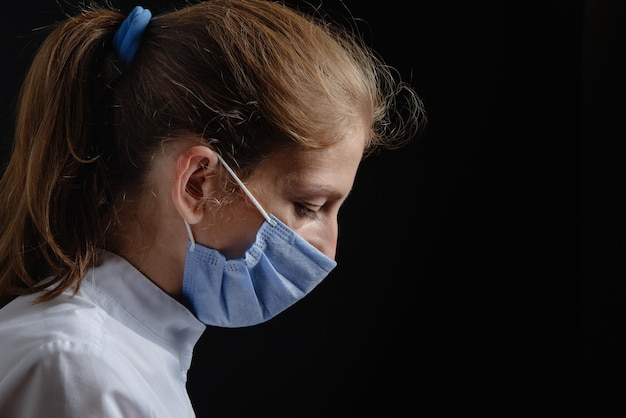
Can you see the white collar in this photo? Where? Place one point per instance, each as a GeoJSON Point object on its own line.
{"type": "Point", "coordinates": [134, 300]}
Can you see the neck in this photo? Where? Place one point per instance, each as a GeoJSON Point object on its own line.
{"type": "Point", "coordinates": [157, 250]}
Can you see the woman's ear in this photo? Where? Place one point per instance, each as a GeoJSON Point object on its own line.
{"type": "Point", "coordinates": [195, 167]}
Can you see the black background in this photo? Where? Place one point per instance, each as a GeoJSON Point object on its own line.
{"type": "Point", "coordinates": [481, 269]}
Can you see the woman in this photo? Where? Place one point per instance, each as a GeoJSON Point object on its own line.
{"type": "Point", "coordinates": [168, 173]}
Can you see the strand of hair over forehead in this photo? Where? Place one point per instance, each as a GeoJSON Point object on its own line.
{"type": "Point", "coordinates": [403, 116]}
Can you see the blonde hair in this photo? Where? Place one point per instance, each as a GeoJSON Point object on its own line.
{"type": "Point", "coordinates": [246, 76]}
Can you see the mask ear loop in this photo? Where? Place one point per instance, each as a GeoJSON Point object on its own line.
{"type": "Point", "coordinates": [256, 203]}
{"type": "Point", "coordinates": [247, 192]}
{"type": "Point", "coordinates": [192, 246]}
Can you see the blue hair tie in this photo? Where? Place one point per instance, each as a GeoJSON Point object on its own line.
{"type": "Point", "coordinates": [128, 37]}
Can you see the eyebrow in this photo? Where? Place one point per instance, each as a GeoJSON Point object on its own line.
{"type": "Point", "coordinates": [323, 189]}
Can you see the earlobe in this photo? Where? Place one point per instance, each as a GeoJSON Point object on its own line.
{"type": "Point", "coordinates": [195, 167]}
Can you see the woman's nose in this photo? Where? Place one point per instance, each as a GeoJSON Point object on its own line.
{"type": "Point", "coordinates": [325, 238]}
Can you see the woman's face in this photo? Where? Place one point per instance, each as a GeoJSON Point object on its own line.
{"type": "Point", "coordinates": [304, 190]}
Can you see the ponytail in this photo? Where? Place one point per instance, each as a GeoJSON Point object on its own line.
{"type": "Point", "coordinates": [53, 198]}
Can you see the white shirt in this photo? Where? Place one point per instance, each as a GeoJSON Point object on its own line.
{"type": "Point", "coordinates": [120, 348]}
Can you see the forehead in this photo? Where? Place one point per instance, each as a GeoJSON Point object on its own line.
{"type": "Point", "coordinates": [334, 166]}
{"type": "Point", "coordinates": [348, 151]}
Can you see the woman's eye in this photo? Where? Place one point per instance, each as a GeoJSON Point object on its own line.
{"type": "Point", "coordinates": [303, 210]}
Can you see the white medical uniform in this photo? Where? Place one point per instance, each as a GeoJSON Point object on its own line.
{"type": "Point", "coordinates": [120, 348]}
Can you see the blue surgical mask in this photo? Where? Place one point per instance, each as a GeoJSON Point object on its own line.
{"type": "Point", "coordinates": [277, 270]}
